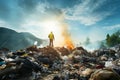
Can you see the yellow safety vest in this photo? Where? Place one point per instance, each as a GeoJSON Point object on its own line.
{"type": "Point", "coordinates": [51, 36]}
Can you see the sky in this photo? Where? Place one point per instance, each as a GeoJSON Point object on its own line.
{"type": "Point", "coordinates": [79, 18]}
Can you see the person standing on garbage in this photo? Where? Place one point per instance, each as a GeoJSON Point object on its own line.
{"type": "Point", "coordinates": [51, 38]}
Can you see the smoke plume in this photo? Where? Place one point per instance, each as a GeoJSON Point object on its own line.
{"type": "Point", "coordinates": [65, 35]}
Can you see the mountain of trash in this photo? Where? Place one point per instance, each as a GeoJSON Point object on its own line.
{"type": "Point", "coordinates": [60, 63]}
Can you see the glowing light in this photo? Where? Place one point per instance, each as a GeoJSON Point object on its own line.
{"type": "Point", "coordinates": [55, 27]}
{"type": "Point", "coordinates": [59, 29]}
{"type": "Point", "coordinates": [51, 26]}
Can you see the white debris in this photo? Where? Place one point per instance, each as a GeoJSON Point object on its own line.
{"type": "Point", "coordinates": [109, 64]}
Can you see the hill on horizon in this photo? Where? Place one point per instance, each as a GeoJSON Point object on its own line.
{"type": "Point", "coordinates": [13, 40]}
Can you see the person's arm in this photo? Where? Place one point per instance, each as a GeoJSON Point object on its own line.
{"type": "Point", "coordinates": [48, 36]}
{"type": "Point", "coordinates": [53, 37]}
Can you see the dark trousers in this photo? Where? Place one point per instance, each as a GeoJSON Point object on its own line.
{"type": "Point", "coordinates": [51, 43]}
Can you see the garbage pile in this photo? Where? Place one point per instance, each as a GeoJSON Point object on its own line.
{"type": "Point", "coordinates": [60, 63]}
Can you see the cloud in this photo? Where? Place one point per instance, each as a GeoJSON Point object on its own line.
{"type": "Point", "coordinates": [116, 26]}
{"type": "Point", "coordinates": [63, 3]}
{"type": "Point", "coordinates": [28, 5]}
{"type": "Point", "coordinates": [86, 12]}
{"type": "Point", "coordinates": [4, 24]}
{"type": "Point", "coordinates": [4, 10]}
{"type": "Point", "coordinates": [16, 12]}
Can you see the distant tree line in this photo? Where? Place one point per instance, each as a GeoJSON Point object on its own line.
{"type": "Point", "coordinates": [87, 41]}
{"type": "Point", "coordinates": [114, 39]}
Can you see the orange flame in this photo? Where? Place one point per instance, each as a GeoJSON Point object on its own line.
{"type": "Point", "coordinates": [69, 44]}
{"type": "Point", "coordinates": [67, 38]}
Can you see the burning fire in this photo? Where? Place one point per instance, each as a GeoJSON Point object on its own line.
{"type": "Point", "coordinates": [67, 38]}
{"type": "Point", "coordinates": [69, 44]}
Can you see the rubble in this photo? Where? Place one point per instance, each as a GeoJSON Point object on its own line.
{"type": "Point", "coordinates": [60, 63]}
{"type": "Point", "coordinates": [105, 74]}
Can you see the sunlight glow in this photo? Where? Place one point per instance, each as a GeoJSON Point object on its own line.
{"type": "Point", "coordinates": [55, 27]}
